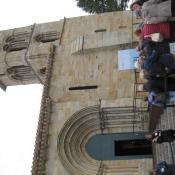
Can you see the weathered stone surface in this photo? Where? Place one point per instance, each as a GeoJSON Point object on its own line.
{"type": "Point", "coordinates": [84, 57]}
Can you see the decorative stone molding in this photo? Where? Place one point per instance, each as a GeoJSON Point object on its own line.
{"type": "Point", "coordinates": [72, 139]}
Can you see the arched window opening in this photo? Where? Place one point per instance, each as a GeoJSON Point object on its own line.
{"type": "Point", "coordinates": [16, 42]}
{"type": "Point", "coordinates": [50, 36]}
{"type": "Point", "coordinates": [18, 37]}
{"type": "Point", "coordinates": [15, 46]}
{"type": "Point", "coordinates": [22, 73]}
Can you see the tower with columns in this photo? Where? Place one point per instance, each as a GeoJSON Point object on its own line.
{"type": "Point", "coordinates": [86, 100]}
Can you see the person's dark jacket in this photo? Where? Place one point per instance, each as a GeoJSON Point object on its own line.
{"type": "Point", "coordinates": [158, 85]}
{"type": "Point", "coordinates": [157, 64]}
{"type": "Point", "coordinates": [161, 47]}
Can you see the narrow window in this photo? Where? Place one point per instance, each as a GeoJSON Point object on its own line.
{"type": "Point", "coordinates": [83, 87]}
{"type": "Point", "coordinates": [100, 30]}
{"type": "Point", "coordinates": [122, 27]}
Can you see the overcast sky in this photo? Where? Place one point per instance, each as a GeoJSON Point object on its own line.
{"type": "Point", "coordinates": [19, 105]}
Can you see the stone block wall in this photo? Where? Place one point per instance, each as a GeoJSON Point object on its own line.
{"type": "Point", "coordinates": [85, 58]}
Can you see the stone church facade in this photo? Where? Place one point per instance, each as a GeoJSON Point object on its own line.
{"type": "Point", "coordinates": [84, 95]}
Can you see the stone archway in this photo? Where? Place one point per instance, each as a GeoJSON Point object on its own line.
{"type": "Point", "coordinates": [80, 128]}
{"type": "Point", "coordinates": [72, 139]}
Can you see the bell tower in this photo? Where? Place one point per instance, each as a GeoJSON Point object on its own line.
{"type": "Point", "coordinates": [85, 96]}
{"type": "Point", "coordinates": [24, 54]}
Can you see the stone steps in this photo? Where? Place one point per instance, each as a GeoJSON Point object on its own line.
{"type": "Point", "coordinates": [165, 151]}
